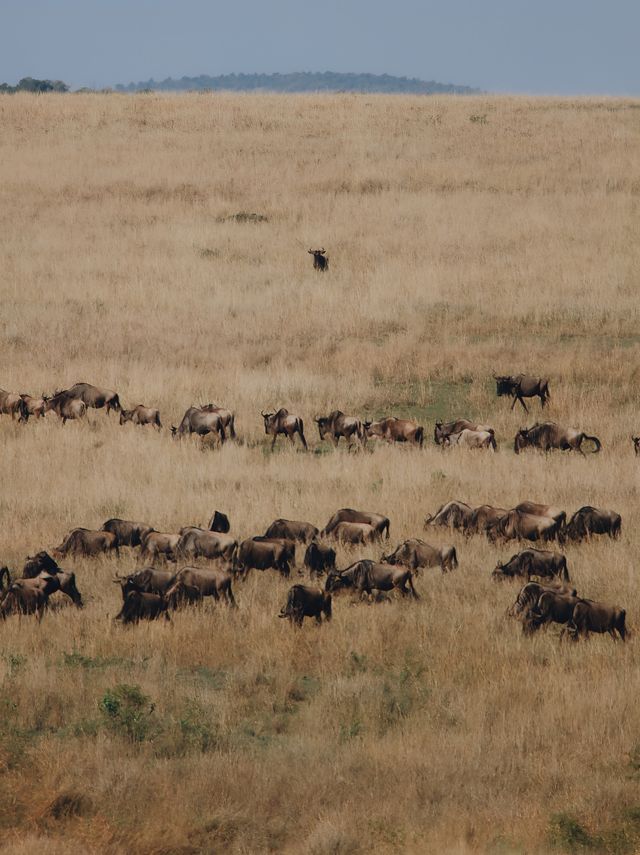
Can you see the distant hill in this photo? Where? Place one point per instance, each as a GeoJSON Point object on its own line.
{"type": "Point", "coordinates": [302, 81]}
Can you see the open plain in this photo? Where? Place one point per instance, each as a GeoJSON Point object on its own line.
{"type": "Point", "coordinates": [158, 246]}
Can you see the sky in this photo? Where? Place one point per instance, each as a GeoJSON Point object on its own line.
{"type": "Point", "coordinates": [522, 46]}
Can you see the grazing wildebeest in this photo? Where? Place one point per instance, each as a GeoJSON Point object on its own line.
{"type": "Point", "coordinates": [589, 520]}
{"type": "Point", "coordinates": [92, 396]}
{"type": "Point", "coordinates": [366, 576]}
{"type": "Point", "coordinates": [351, 534]}
{"type": "Point", "coordinates": [148, 580]}
{"type": "Point", "coordinates": [533, 562]}
{"type": "Point", "coordinates": [226, 417]}
{"type": "Point", "coordinates": [201, 423]}
{"type": "Point", "coordinates": [636, 444]}
{"type": "Point", "coordinates": [319, 558]}
{"type": "Point", "coordinates": [84, 541]}
{"type": "Point", "coordinates": [198, 543]}
{"type": "Point", "coordinates": [13, 405]}
{"type": "Point", "coordinates": [304, 532]}
{"type": "Point", "coordinates": [219, 522]}
{"type": "Point", "coordinates": [539, 510]}
{"type": "Point", "coordinates": [549, 435]}
{"type": "Point", "coordinates": [444, 429]}
{"type": "Point", "coordinates": [597, 617]}
{"type": "Point", "coordinates": [157, 543]}
{"type": "Point", "coordinates": [530, 593]}
{"type": "Point", "coordinates": [36, 407]}
{"type": "Point", "coordinates": [378, 521]}
{"type": "Point", "coordinates": [320, 261]}
{"type": "Point", "coordinates": [393, 430]}
{"type": "Point", "coordinates": [452, 514]}
{"type": "Point", "coordinates": [42, 562]}
{"type": "Point", "coordinates": [127, 532]}
{"type": "Point", "coordinates": [521, 386]}
{"type": "Point", "coordinates": [304, 601]}
{"type": "Point", "coordinates": [416, 553]}
{"type": "Point", "coordinates": [66, 406]}
{"type": "Point", "coordinates": [141, 415]}
{"type": "Point", "coordinates": [336, 424]}
{"type": "Point", "coordinates": [526, 527]}
{"type": "Point", "coordinates": [484, 518]}
{"type": "Point", "coordinates": [194, 583]}
{"type": "Point", "coordinates": [257, 553]}
{"type": "Point", "coordinates": [283, 422]}
{"type": "Point", "coordinates": [142, 606]}
{"type": "Point", "coordinates": [472, 439]}
{"type": "Point", "coordinates": [552, 607]}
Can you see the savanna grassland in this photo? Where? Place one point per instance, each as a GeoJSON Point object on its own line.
{"type": "Point", "coordinates": [465, 235]}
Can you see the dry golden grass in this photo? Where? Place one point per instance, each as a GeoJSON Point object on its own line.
{"type": "Point", "coordinates": [465, 236]}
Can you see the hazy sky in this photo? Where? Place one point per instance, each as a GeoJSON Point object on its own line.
{"type": "Point", "coordinates": [545, 46]}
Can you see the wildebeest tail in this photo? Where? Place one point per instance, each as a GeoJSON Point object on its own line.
{"type": "Point", "coordinates": [492, 441]}
{"type": "Point", "coordinates": [454, 557]}
{"type": "Point", "coordinates": [115, 403]}
{"type": "Point", "coordinates": [289, 607]}
{"type": "Point", "coordinates": [419, 436]}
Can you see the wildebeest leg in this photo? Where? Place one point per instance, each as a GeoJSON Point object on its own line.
{"type": "Point", "coordinates": [273, 441]}
{"type": "Point", "coordinates": [304, 441]}
{"type": "Point", "coordinates": [519, 398]}
{"type": "Point", "coordinates": [414, 593]}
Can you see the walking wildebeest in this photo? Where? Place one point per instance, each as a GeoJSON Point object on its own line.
{"type": "Point", "coordinates": [530, 593]}
{"type": "Point", "coordinates": [416, 553]}
{"type": "Point", "coordinates": [589, 520]}
{"type": "Point", "coordinates": [260, 554]}
{"type": "Point", "coordinates": [549, 435]}
{"type": "Point", "coordinates": [13, 404]}
{"type": "Point", "coordinates": [484, 518]}
{"type": "Point", "coordinates": [539, 510]}
{"type": "Point", "coordinates": [198, 543]}
{"type": "Point", "coordinates": [597, 617]}
{"type": "Point", "coordinates": [350, 533]}
{"type": "Point", "coordinates": [319, 558]}
{"type": "Point", "coordinates": [194, 583]}
{"type": "Point", "coordinates": [148, 580]}
{"type": "Point", "coordinates": [92, 396]}
{"type": "Point", "coordinates": [127, 532]}
{"type": "Point", "coordinates": [141, 606]}
{"type": "Point", "coordinates": [35, 406]}
{"type": "Point", "coordinates": [66, 406]}
{"type": "Point", "coordinates": [533, 562]}
{"type": "Point", "coordinates": [157, 543]}
{"type": "Point", "coordinates": [378, 521]}
{"type": "Point", "coordinates": [304, 601]}
{"type": "Point", "coordinates": [141, 415]}
{"type": "Point", "coordinates": [284, 423]}
{"type": "Point", "coordinates": [452, 514]}
{"type": "Point", "coordinates": [227, 418]}
{"type": "Point", "coordinates": [526, 527]}
{"type": "Point", "coordinates": [552, 607]}
{"type": "Point", "coordinates": [85, 541]}
{"type": "Point", "coordinates": [472, 439]}
{"type": "Point", "coordinates": [292, 530]}
{"type": "Point", "coordinates": [366, 576]}
{"type": "Point", "coordinates": [201, 423]}
{"type": "Point", "coordinates": [320, 261]}
{"type": "Point", "coordinates": [219, 522]}
{"type": "Point", "coordinates": [444, 429]}
{"type": "Point", "coordinates": [521, 386]}
{"type": "Point", "coordinates": [393, 430]}
{"type": "Point", "coordinates": [336, 424]}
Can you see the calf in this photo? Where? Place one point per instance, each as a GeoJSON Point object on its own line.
{"type": "Point", "coordinates": [141, 606]}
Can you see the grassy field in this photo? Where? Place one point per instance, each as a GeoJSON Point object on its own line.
{"type": "Point", "coordinates": [465, 236]}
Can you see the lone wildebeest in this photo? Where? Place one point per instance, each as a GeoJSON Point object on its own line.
{"type": "Point", "coordinates": [292, 530]}
{"type": "Point", "coordinates": [141, 415]}
{"type": "Point", "coordinates": [304, 601]}
{"type": "Point", "coordinates": [589, 520]}
{"type": "Point", "coordinates": [66, 406]}
{"type": "Point", "coordinates": [319, 558]}
{"type": "Point", "coordinates": [93, 396]}
{"type": "Point", "coordinates": [444, 429]}
{"type": "Point", "coordinates": [320, 260]}
{"type": "Point", "coordinates": [200, 422]}
{"type": "Point", "coordinates": [394, 430]}
{"type": "Point", "coordinates": [533, 562]}
{"type": "Point", "coordinates": [452, 514]}
{"type": "Point", "coordinates": [284, 423]}
{"type": "Point", "coordinates": [521, 386]}
{"type": "Point", "coordinates": [336, 424]}
{"type": "Point", "coordinates": [366, 576]}
{"type": "Point", "coordinates": [549, 435]}
{"type": "Point", "coordinates": [378, 521]}
{"type": "Point", "coordinates": [416, 554]}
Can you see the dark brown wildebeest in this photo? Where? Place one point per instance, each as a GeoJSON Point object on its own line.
{"type": "Point", "coordinates": [13, 405]}
{"type": "Point", "coordinates": [201, 423]}
{"type": "Point", "coordinates": [636, 444]}
{"type": "Point", "coordinates": [552, 607]}
{"type": "Point", "coordinates": [336, 424]}
{"type": "Point", "coordinates": [526, 527]}
{"type": "Point", "coordinates": [32, 595]}
{"type": "Point", "coordinates": [484, 518]}
{"type": "Point", "coordinates": [304, 601]}
{"type": "Point", "coordinates": [25, 600]}
{"type": "Point", "coordinates": [66, 406]}
{"type": "Point", "coordinates": [539, 510]}
{"type": "Point", "coordinates": [366, 576]}
{"type": "Point", "coordinates": [42, 562]}
{"type": "Point", "coordinates": [533, 562]}
{"type": "Point", "coordinates": [378, 521]}
{"type": "Point", "coordinates": [148, 580]}
{"type": "Point", "coordinates": [194, 583]}
{"type": "Point", "coordinates": [92, 396]}
{"type": "Point", "coordinates": [219, 522]}
{"type": "Point", "coordinates": [226, 417]}
{"type": "Point", "coordinates": [530, 593]}
{"type": "Point", "coordinates": [444, 429]}
{"type": "Point", "coordinates": [127, 532]}
{"type": "Point", "coordinates": [589, 520]}
{"type": "Point", "coordinates": [85, 541]}
{"type": "Point", "coordinates": [320, 260]}
{"type": "Point", "coordinates": [452, 514]}
{"type": "Point", "coordinates": [292, 530]}
{"type": "Point", "coordinates": [284, 423]}
{"type": "Point", "coordinates": [549, 435]}
{"type": "Point", "coordinates": [36, 407]}
{"type": "Point", "coordinates": [142, 606]}
{"type": "Point", "coordinates": [472, 439]}
{"type": "Point", "coordinates": [49, 577]}
{"type": "Point", "coordinates": [393, 430]}
{"type": "Point", "coordinates": [416, 554]}
{"type": "Point", "coordinates": [257, 553]}
{"type": "Point", "coordinates": [521, 386]}
{"type": "Point", "coordinates": [319, 558]}
{"type": "Point", "coordinates": [159, 543]}
{"type": "Point", "coordinates": [198, 543]}
{"type": "Point", "coordinates": [141, 415]}
{"type": "Point", "coordinates": [597, 617]}
{"type": "Point", "coordinates": [350, 533]}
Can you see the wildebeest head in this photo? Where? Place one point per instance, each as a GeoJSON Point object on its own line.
{"type": "Point", "coordinates": [269, 420]}
{"type": "Point", "coordinates": [504, 385]}
{"type": "Point", "coordinates": [125, 416]}
{"type": "Point", "coordinates": [521, 440]}
{"type": "Point", "coordinates": [320, 262]}
{"type": "Point", "coordinates": [636, 444]}
{"type": "Point", "coordinates": [324, 426]}
{"type": "Point", "coordinates": [336, 581]}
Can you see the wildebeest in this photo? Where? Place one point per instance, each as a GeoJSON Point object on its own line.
{"type": "Point", "coordinates": [147, 580]}
{"type": "Point", "coordinates": [219, 522]}
{"type": "Point", "coordinates": [200, 422]}
{"type": "Point", "coordinates": [257, 553]}
{"type": "Point", "coordinates": [141, 415]}
{"type": "Point", "coordinates": [539, 510]}
{"type": "Point", "coordinates": [452, 514]}
{"type": "Point", "coordinates": [13, 404]}
{"type": "Point", "coordinates": [23, 599]}
{"type": "Point", "coordinates": [227, 418]}
{"type": "Point", "coordinates": [589, 520]}
{"type": "Point", "coordinates": [320, 260]}
{"type": "Point", "coordinates": [142, 606]}
{"type": "Point", "coordinates": [304, 532]}
{"type": "Point", "coordinates": [198, 543]}
{"type": "Point", "coordinates": [392, 430]}
{"type": "Point", "coordinates": [521, 386]}
{"type": "Point", "coordinates": [36, 407]}
{"type": "Point", "coordinates": [336, 424]}
{"type": "Point", "coordinates": [552, 607]}
{"type": "Point", "coordinates": [472, 439]}
{"type": "Point", "coordinates": [484, 518]}
{"type": "Point", "coordinates": [32, 594]}
{"type": "Point", "coordinates": [366, 576]}
{"type": "Point", "coordinates": [93, 396]}
{"type": "Point", "coordinates": [597, 617]}
{"type": "Point", "coordinates": [526, 527]}
{"type": "Point", "coordinates": [378, 521]}
{"type": "Point", "coordinates": [66, 406]}
{"type": "Point", "coordinates": [548, 435]}
{"type": "Point", "coordinates": [354, 533]}
{"type": "Point", "coordinates": [304, 601]}
{"type": "Point", "coordinates": [42, 562]}
{"type": "Point", "coordinates": [284, 423]}
{"type": "Point", "coordinates": [533, 562]}
{"type": "Point", "coordinates": [86, 542]}
{"type": "Point", "coordinates": [444, 429]}
{"type": "Point", "coordinates": [530, 593]}
{"type": "Point", "coordinates": [416, 553]}
{"type": "Point", "coordinates": [127, 532]}
{"type": "Point", "coordinates": [319, 558]}
{"type": "Point", "coordinates": [159, 543]}
{"type": "Point", "coordinates": [194, 583]}
{"type": "Point", "coordinates": [636, 444]}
